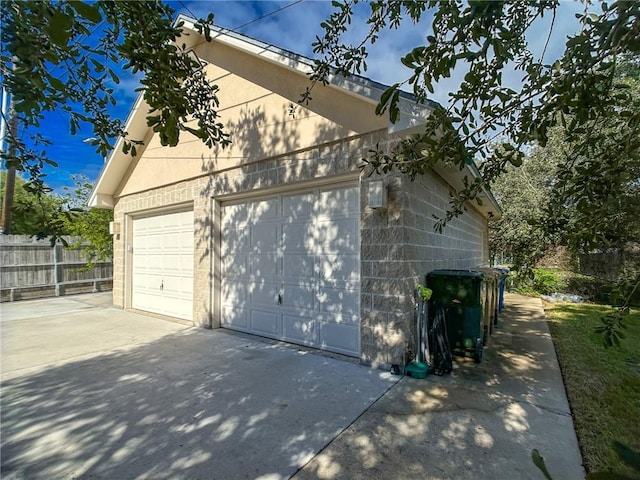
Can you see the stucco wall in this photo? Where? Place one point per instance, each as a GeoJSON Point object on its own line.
{"type": "Point", "coordinates": [256, 99]}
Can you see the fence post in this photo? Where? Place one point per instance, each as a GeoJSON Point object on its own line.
{"type": "Point", "coordinates": [57, 274]}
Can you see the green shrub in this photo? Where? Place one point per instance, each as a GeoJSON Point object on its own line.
{"type": "Point", "coordinates": [537, 281]}
{"type": "Point", "coordinates": [546, 281]}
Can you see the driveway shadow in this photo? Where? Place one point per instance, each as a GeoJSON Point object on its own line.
{"type": "Point", "coordinates": [194, 405]}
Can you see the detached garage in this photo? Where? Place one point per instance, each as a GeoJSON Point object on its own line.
{"type": "Point", "coordinates": [278, 235]}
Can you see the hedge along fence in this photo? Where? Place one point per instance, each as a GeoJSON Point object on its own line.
{"type": "Point", "coordinates": [32, 268]}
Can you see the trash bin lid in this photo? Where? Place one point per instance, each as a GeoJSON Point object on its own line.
{"type": "Point", "coordinates": [488, 271]}
{"type": "Point", "coordinates": [455, 273]}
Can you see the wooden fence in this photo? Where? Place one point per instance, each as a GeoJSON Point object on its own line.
{"type": "Point", "coordinates": [32, 268]}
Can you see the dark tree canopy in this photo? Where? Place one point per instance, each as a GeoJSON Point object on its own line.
{"type": "Point", "coordinates": [580, 91]}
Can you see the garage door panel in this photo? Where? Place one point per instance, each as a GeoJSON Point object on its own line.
{"type": "Point", "coordinates": [235, 317]}
{"type": "Point", "coordinates": [342, 338]}
{"type": "Point", "coordinates": [298, 207]}
{"type": "Point", "coordinates": [336, 203]}
{"type": "Point", "coordinates": [143, 298]}
{"type": "Point", "coordinates": [337, 269]}
{"type": "Point", "coordinates": [264, 265]}
{"type": "Point", "coordinates": [172, 263]}
{"type": "Point", "coordinates": [301, 297]}
{"type": "Point", "coordinates": [298, 329]}
{"type": "Point", "coordinates": [236, 242]}
{"type": "Point", "coordinates": [338, 236]}
{"type": "Point", "coordinates": [235, 266]}
{"type": "Point", "coordinates": [264, 237]}
{"type": "Point", "coordinates": [234, 217]}
{"type": "Point", "coordinates": [265, 322]}
{"type": "Point", "coordinates": [264, 293]}
{"type": "Point", "coordinates": [262, 210]}
{"type": "Point", "coordinates": [339, 301]}
{"type": "Point", "coordinates": [295, 266]}
{"type": "Point", "coordinates": [295, 235]}
{"type": "Point", "coordinates": [235, 293]}
{"type": "Point", "coordinates": [175, 307]}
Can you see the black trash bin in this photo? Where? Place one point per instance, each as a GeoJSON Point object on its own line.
{"type": "Point", "coordinates": [462, 296]}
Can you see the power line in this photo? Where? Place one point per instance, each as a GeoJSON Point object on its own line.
{"type": "Point", "coordinates": [250, 21]}
{"type": "Point", "coordinates": [267, 14]}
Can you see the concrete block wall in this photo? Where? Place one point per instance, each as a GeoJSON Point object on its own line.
{"type": "Point", "coordinates": [399, 246]}
{"type": "Point", "coordinates": [386, 303]}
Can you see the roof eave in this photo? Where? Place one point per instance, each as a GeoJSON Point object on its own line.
{"type": "Point", "coordinates": [118, 162]}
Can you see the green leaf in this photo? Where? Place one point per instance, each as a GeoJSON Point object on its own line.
{"type": "Point", "coordinates": [515, 160]}
{"type": "Point", "coordinates": [99, 66]}
{"type": "Point", "coordinates": [394, 111]}
{"type": "Point", "coordinates": [89, 12]}
{"type": "Point", "coordinates": [114, 77]}
{"type": "Point", "coordinates": [60, 28]}
{"type": "Point", "coordinates": [538, 461]}
{"type": "Point", "coordinates": [56, 83]}
{"type": "Point", "coordinates": [385, 97]}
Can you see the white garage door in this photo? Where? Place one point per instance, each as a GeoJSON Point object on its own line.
{"type": "Point", "coordinates": [162, 269]}
{"type": "Point", "coordinates": [291, 268]}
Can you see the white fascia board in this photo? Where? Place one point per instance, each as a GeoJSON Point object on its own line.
{"type": "Point", "coordinates": [454, 176]}
{"type": "Point", "coordinates": [118, 162]}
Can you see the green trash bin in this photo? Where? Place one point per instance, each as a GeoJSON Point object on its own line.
{"type": "Point", "coordinates": [462, 295]}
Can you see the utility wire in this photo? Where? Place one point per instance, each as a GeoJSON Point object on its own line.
{"type": "Point", "coordinates": [267, 14]}
{"type": "Point", "coordinates": [250, 21]}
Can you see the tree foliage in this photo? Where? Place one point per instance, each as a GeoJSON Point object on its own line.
{"type": "Point", "coordinates": [32, 212]}
{"type": "Point", "coordinates": [482, 40]}
{"type": "Point", "coordinates": [523, 193]}
{"type": "Point", "coordinates": [90, 224]}
{"type": "Point", "coordinates": [52, 62]}
{"type": "Point", "coordinates": [595, 202]}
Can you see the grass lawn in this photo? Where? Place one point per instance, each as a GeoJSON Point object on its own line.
{"type": "Point", "coordinates": [603, 384]}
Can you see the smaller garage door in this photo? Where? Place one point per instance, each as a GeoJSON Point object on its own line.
{"type": "Point", "coordinates": [162, 268]}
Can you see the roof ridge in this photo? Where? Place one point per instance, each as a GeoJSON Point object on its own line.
{"type": "Point", "coordinates": [362, 80]}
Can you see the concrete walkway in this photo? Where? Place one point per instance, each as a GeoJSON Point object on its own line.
{"type": "Point", "coordinates": [93, 392]}
{"type": "Point", "coordinates": [480, 422]}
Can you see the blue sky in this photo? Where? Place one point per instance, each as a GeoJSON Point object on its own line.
{"type": "Point", "coordinates": [293, 28]}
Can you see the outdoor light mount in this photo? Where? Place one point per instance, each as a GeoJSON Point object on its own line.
{"type": "Point", "coordinates": [377, 194]}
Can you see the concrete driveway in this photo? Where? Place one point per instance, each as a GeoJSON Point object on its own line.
{"type": "Point", "coordinates": [93, 392]}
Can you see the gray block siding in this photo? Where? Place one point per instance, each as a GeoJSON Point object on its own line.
{"type": "Point", "coordinates": [399, 246]}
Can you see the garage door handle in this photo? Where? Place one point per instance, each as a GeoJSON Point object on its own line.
{"type": "Point", "coordinates": [161, 285]}
{"type": "Point", "coordinates": [279, 299]}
